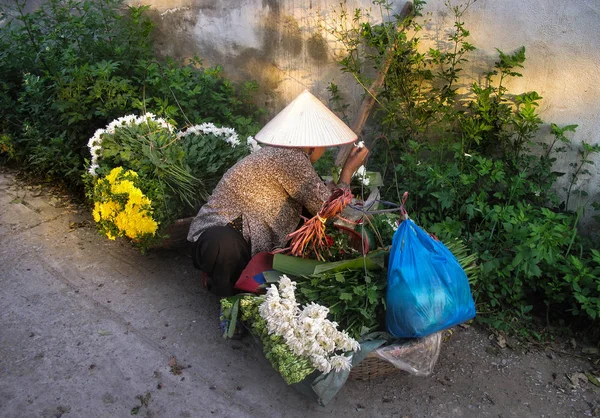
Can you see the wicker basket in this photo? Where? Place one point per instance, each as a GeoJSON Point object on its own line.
{"type": "Point", "coordinates": [372, 367]}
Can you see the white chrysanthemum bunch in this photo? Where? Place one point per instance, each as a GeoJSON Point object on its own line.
{"type": "Point", "coordinates": [95, 142]}
{"type": "Point", "coordinates": [227, 134]}
{"type": "Point", "coordinates": [307, 332]}
{"type": "Point", "coordinates": [361, 175]}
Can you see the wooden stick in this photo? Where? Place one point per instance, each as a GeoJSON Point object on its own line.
{"type": "Point", "coordinates": [368, 102]}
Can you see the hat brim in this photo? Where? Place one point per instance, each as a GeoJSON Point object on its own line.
{"type": "Point", "coordinates": [306, 122]}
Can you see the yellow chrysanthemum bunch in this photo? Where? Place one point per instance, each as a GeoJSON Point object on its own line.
{"type": "Point", "coordinates": [121, 208]}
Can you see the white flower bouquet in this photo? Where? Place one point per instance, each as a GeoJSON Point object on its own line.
{"type": "Point", "coordinates": [297, 341]}
{"type": "Point", "coordinates": [173, 171]}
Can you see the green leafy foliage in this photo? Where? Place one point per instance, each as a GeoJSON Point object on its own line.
{"type": "Point", "coordinates": [71, 66]}
{"type": "Point", "coordinates": [355, 297]}
{"type": "Point", "coordinates": [477, 167]}
{"type": "Point", "coordinates": [209, 156]}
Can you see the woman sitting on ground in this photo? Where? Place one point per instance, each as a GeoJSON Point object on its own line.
{"type": "Point", "coordinates": [259, 201]}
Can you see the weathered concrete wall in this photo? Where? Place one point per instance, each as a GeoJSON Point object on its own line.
{"type": "Point", "coordinates": [280, 44]}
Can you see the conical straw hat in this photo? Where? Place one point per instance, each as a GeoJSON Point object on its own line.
{"type": "Point", "coordinates": [305, 122]}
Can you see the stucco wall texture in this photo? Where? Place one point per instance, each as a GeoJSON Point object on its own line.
{"type": "Point", "coordinates": [282, 46]}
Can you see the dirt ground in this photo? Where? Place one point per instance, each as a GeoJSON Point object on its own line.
{"type": "Point", "coordinates": [90, 327]}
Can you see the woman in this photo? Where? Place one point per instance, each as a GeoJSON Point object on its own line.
{"type": "Point", "coordinates": [259, 201]}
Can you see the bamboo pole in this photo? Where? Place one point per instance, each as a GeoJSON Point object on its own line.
{"type": "Point", "coordinates": [368, 101]}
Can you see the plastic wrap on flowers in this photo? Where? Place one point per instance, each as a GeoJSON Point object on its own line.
{"type": "Point", "coordinates": [417, 356]}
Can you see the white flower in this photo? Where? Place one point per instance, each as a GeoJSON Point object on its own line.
{"type": "Point", "coordinates": [92, 169]}
{"type": "Point", "coordinates": [227, 134]}
{"type": "Point", "coordinates": [328, 345]}
{"type": "Point", "coordinates": [307, 332]}
{"type": "Point", "coordinates": [361, 174]}
{"type": "Point", "coordinates": [316, 349]}
{"type": "Point", "coordinates": [253, 144]}
{"type": "Point", "coordinates": [321, 363]}
{"type": "Point", "coordinates": [295, 344]}
{"type": "Point", "coordinates": [340, 362]}
{"type": "Point", "coordinates": [361, 144]}
{"type": "Point", "coordinates": [95, 142]}
{"type": "Point", "coordinates": [314, 310]}
{"type": "Point", "coordinates": [393, 224]}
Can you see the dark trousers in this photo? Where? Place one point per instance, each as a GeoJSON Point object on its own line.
{"type": "Point", "coordinates": [222, 253]}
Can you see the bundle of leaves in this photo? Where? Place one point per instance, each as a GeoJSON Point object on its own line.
{"type": "Point", "coordinates": [355, 297]}
{"type": "Point", "coordinates": [210, 151]}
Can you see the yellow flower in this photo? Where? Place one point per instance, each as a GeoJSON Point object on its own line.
{"type": "Point", "coordinates": [96, 212]}
{"type": "Point", "coordinates": [123, 187]}
{"type": "Point", "coordinates": [132, 218]}
{"type": "Point", "coordinates": [109, 209]}
{"type": "Point", "coordinates": [135, 222]}
{"type": "Point", "coordinates": [136, 197]}
{"type": "Point", "coordinates": [114, 173]}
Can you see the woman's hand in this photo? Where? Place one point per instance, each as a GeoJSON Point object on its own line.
{"type": "Point", "coordinates": [355, 159]}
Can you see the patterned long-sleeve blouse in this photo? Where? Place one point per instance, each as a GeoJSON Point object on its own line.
{"type": "Point", "coordinates": [268, 190]}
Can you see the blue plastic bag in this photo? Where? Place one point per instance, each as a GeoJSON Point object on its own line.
{"type": "Point", "coordinates": [428, 290]}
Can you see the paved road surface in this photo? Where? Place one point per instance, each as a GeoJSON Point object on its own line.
{"type": "Point", "coordinates": [88, 328]}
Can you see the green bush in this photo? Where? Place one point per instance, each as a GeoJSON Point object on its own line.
{"type": "Point", "coordinates": [475, 169]}
{"type": "Point", "coordinates": [70, 67]}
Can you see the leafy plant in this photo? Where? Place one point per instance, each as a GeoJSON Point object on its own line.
{"type": "Point", "coordinates": [474, 165]}
{"type": "Point", "coordinates": [71, 66]}
{"type": "Point", "coordinates": [355, 297]}
{"type": "Point", "coordinates": [210, 151]}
